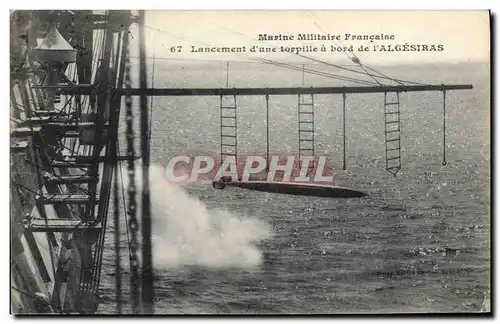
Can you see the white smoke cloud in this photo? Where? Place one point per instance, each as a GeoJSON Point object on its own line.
{"type": "Point", "coordinates": [186, 232]}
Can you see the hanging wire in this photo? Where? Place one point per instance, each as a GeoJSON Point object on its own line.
{"type": "Point", "coordinates": [40, 178]}
{"type": "Point", "coordinates": [444, 127]}
{"type": "Point", "coordinates": [221, 132]}
{"type": "Point", "coordinates": [299, 55]}
{"type": "Point", "coordinates": [267, 132]}
{"type": "Point", "coordinates": [314, 72]}
{"type": "Point", "coordinates": [354, 58]}
{"type": "Point", "coordinates": [298, 128]}
{"type": "Point", "coordinates": [386, 76]}
{"type": "Point", "coordinates": [235, 134]}
{"type": "Point", "coordinates": [283, 65]}
{"type": "Point", "coordinates": [123, 43]}
{"type": "Point", "coordinates": [124, 203]}
{"type": "Point", "coordinates": [117, 251]}
{"type": "Point", "coordinates": [311, 168]}
{"type": "Point", "coordinates": [105, 82]}
{"type": "Point", "coordinates": [343, 128]}
{"type": "Point", "coordinates": [24, 292]}
{"type": "Point", "coordinates": [227, 74]}
{"type": "Point", "coordinates": [152, 97]}
{"type": "Point", "coordinates": [303, 74]}
{"type": "Point", "coordinates": [20, 185]}
{"type": "Point", "coordinates": [34, 160]}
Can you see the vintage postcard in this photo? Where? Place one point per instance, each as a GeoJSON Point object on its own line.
{"type": "Point", "coordinates": [250, 162]}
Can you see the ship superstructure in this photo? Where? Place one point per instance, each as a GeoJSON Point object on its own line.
{"type": "Point", "coordinates": [63, 153]}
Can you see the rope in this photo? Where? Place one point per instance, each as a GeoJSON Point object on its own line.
{"type": "Point", "coordinates": [118, 267]}
{"type": "Point", "coordinates": [343, 129]}
{"type": "Point", "coordinates": [371, 75]}
{"type": "Point", "coordinates": [24, 187]}
{"type": "Point", "coordinates": [124, 204]}
{"type": "Point", "coordinates": [444, 127]}
{"type": "Point", "coordinates": [314, 72]}
{"type": "Point", "coordinates": [227, 74]}
{"type": "Point", "coordinates": [15, 120]}
{"type": "Point", "coordinates": [67, 106]}
{"type": "Point", "coordinates": [221, 132]}
{"type": "Point", "coordinates": [152, 97]}
{"type": "Point", "coordinates": [351, 70]}
{"type": "Point", "coordinates": [267, 132]}
{"type": "Point", "coordinates": [101, 238]}
{"type": "Point", "coordinates": [37, 163]}
{"type": "Point", "coordinates": [385, 76]}
{"type": "Point", "coordinates": [40, 177]}
{"type": "Point", "coordinates": [356, 59]}
{"type": "Point", "coordinates": [171, 58]}
{"type": "Point", "coordinates": [311, 169]}
{"type": "Point", "coordinates": [300, 55]}
{"type": "Point", "coordinates": [285, 65]}
{"type": "Point", "coordinates": [303, 74]}
{"type": "Point", "coordinates": [22, 291]}
{"type": "Point", "coordinates": [235, 134]}
{"type": "Point", "coordinates": [37, 159]}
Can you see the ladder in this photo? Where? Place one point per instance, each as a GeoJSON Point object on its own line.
{"type": "Point", "coordinates": [392, 123]}
{"type": "Point", "coordinates": [228, 127]}
{"type": "Point", "coordinates": [306, 128]}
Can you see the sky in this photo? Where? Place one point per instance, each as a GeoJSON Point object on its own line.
{"type": "Point", "coordinates": [464, 35]}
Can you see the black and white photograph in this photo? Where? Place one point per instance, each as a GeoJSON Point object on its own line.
{"type": "Point", "coordinates": [250, 162]}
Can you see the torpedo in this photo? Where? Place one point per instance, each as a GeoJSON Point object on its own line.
{"type": "Point", "coordinates": [291, 188]}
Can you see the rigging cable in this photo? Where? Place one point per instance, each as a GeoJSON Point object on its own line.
{"type": "Point", "coordinates": [351, 70]}
{"type": "Point", "coordinates": [354, 57]}
{"type": "Point", "coordinates": [276, 47]}
{"type": "Point", "coordinates": [103, 207]}
{"type": "Point", "coordinates": [444, 127]}
{"type": "Point", "coordinates": [227, 74]}
{"type": "Point", "coordinates": [40, 178]}
{"type": "Point", "coordinates": [388, 77]}
{"type": "Point", "coordinates": [22, 291]}
{"type": "Point", "coordinates": [20, 185]}
{"type": "Point", "coordinates": [267, 132]}
{"type": "Point", "coordinates": [303, 74]}
{"type": "Point", "coordinates": [50, 238]}
{"type": "Point", "coordinates": [152, 97]}
{"type": "Point", "coordinates": [343, 128]}
{"type": "Point", "coordinates": [225, 61]}
{"type": "Point", "coordinates": [310, 71]}
{"type": "Point", "coordinates": [37, 162]}
{"type": "Point", "coordinates": [117, 240]}
{"type": "Point", "coordinates": [310, 58]}
{"type": "Point", "coordinates": [283, 65]}
{"type": "Point", "coordinates": [115, 151]}
{"type": "Point", "coordinates": [124, 203]}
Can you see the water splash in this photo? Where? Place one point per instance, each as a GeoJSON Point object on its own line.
{"type": "Point", "coordinates": [186, 232]}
